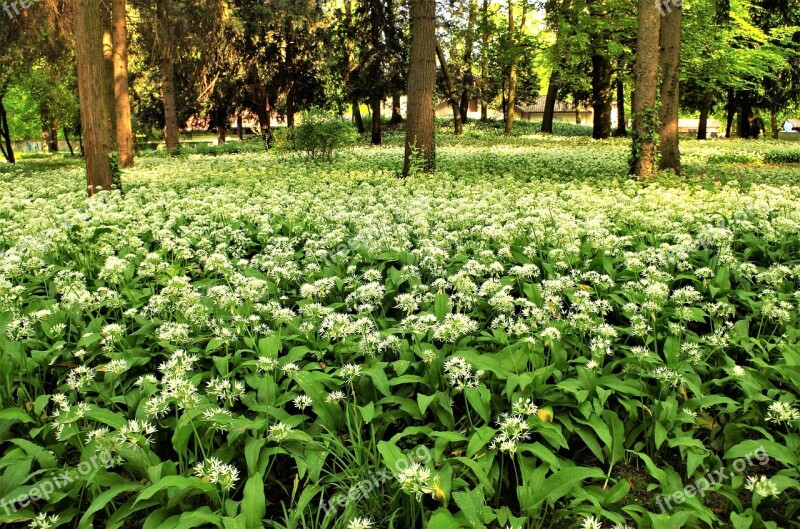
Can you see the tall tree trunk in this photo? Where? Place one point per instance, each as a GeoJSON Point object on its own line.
{"type": "Point", "coordinates": [170, 107]}
{"type": "Point", "coordinates": [375, 107]}
{"type": "Point", "coordinates": [705, 110]}
{"type": "Point", "coordinates": [421, 85]}
{"type": "Point", "coordinates": [452, 93]}
{"type": "Point", "coordinates": [745, 121]}
{"type": "Point", "coordinates": [601, 96]}
{"type": "Point", "coordinates": [670, 63]}
{"type": "Point", "coordinates": [357, 119]}
{"type": "Point", "coordinates": [731, 108]}
{"type": "Point", "coordinates": [95, 118]}
{"type": "Point", "coordinates": [550, 102]}
{"type": "Point", "coordinates": [397, 117]}
{"type": "Point", "coordinates": [108, 57]}
{"type": "Point", "coordinates": [468, 78]}
{"type": "Point", "coordinates": [121, 95]}
{"type": "Point", "coordinates": [5, 135]}
{"type": "Point", "coordinates": [622, 126]}
{"type": "Point", "coordinates": [222, 126]}
{"type": "Point", "coordinates": [290, 107]}
{"type": "Point", "coordinates": [69, 144]}
{"type": "Point", "coordinates": [239, 124]}
{"type": "Point", "coordinates": [773, 123]}
{"type": "Point", "coordinates": [645, 124]}
{"type": "Point", "coordinates": [485, 60]}
{"type": "Point", "coordinates": [50, 137]}
{"type": "Point", "coordinates": [264, 112]}
{"type": "Point", "coordinates": [511, 100]}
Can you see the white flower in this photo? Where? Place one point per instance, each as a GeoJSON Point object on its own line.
{"type": "Point", "coordinates": [460, 374]}
{"type": "Point", "coordinates": [591, 523]}
{"type": "Point", "coordinates": [762, 486]}
{"type": "Point", "coordinates": [335, 397]}
{"type": "Point", "coordinates": [782, 412]}
{"type": "Point", "coordinates": [302, 402]}
{"type": "Point", "coordinates": [217, 472]}
{"type": "Point", "coordinates": [360, 523]}
{"type": "Point", "coordinates": [512, 430]}
{"type": "Point", "coordinates": [43, 521]}
{"type": "Point", "coordinates": [415, 479]}
{"type": "Point", "coordinates": [279, 431]}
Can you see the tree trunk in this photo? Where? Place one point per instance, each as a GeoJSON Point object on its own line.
{"type": "Point", "coordinates": [375, 108]}
{"type": "Point", "coordinates": [745, 121]}
{"type": "Point", "coordinates": [357, 119]}
{"type": "Point", "coordinates": [5, 134]}
{"type": "Point", "coordinates": [239, 124]}
{"type": "Point", "coordinates": [452, 94]}
{"type": "Point", "coordinates": [222, 128]}
{"type": "Point", "coordinates": [670, 63]}
{"type": "Point", "coordinates": [511, 100]}
{"type": "Point", "coordinates": [601, 96]}
{"type": "Point", "coordinates": [550, 102]}
{"type": "Point", "coordinates": [468, 78]}
{"type": "Point", "coordinates": [264, 112]}
{"type": "Point", "coordinates": [290, 108]}
{"type": "Point", "coordinates": [421, 85]}
{"type": "Point", "coordinates": [705, 110]}
{"type": "Point", "coordinates": [95, 118]}
{"type": "Point", "coordinates": [622, 126]}
{"type": "Point", "coordinates": [773, 123]}
{"type": "Point", "coordinates": [645, 124]}
{"type": "Point", "coordinates": [397, 117]}
{"type": "Point", "coordinates": [50, 138]}
{"type": "Point", "coordinates": [731, 108]}
{"type": "Point", "coordinates": [108, 57]}
{"type": "Point", "coordinates": [69, 144]}
{"type": "Point", "coordinates": [121, 95]}
{"type": "Point", "coordinates": [170, 108]}
{"type": "Point", "coordinates": [485, 61]}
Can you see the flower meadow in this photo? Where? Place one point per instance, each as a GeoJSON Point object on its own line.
{"type": "Point", "coordinates": [526, 339]}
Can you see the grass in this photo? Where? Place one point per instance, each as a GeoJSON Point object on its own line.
{"type": "Point", "coordinates": [526, 339]}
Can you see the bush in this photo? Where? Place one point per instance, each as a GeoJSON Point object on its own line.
{"type": "Point", "coordinates": [785, 155]}
{"type": "Point", "coordinates": [736, 157]}
{"type": "Point", "coordinates": [320, 133]}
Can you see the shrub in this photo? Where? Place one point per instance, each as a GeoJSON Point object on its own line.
{"type": "Point", "coordinates": [784, 155]}
{"type": "Point", "coordinates": [320, 133]}
{"type": "Point", "coordinates": [735, 157]}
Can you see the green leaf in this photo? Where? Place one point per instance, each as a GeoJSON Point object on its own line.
{"type": "Point", "coordinates": [470, 504]}
{"type": "Point", "coordinates": [254, 502]}
{"type": "Point", "coordinates": [103, 500]}
{"type": "Point", "coordinates": [443, 519]}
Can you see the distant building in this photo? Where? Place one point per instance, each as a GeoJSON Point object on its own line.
{"type": "Point", "coordinates": [690, 126]}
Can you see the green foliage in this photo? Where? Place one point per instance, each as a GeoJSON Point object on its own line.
{"type": "Point", "coordinates": [783, 155]}
{"type": "Point", "coordinates": [321, 133]}
{"type": "Point", "coordinates": [252, 338]}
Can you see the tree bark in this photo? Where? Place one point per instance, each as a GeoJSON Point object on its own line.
{"type": "Point", "coordinates": [511, 100]}
{"type": "Point", "coordinates": [69, 144]}
{"type": "Point", "coordinates": [646, 79]}
{"type": "Point", "coordinates": [484, 60]}
{"type": "Point", "coordinates": [622, 126]}
{"type": "Point", "coordinates": [731, 108]}
{"type": "Point", "coordinates": [421, 85]}
{"type": "Point", "coordinates": [95, 118]}
{"type": "Point", "coordinates": [773, 123]}
{"type": "Point", "coordinates": [375, 107]}
{"type": "Point", "coordinates": [290, 107]}
{"type": "Point", "coordinates": [468, 78]}
{"type": "Point", "coordinates": [170, 107]}
{"type": "Point", "coordinates": [670, 63]}
{"type": "Point", "coordinates": [50, 138]}
{"type": "Point", "coordinates": [452, 93]}
{"type": "Point", "coordinates": [601, 96]}
{"type": "Point", "coordinates": [357, 119]}
{"type": "Point", "coordinates": [705, 110]}
{"type": "Point", "coordinates": [397, 117]}
{"type": "Point", "coordinates": [239, 124]}
{"type": "Point", "coordinates": [550, 102]}
{"type": "Point", "coordinates": [5, 135]}
{"type": "Point", "coordinates": [121, 93]}
{"type": "Point", "coordinates": [108, 92]}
